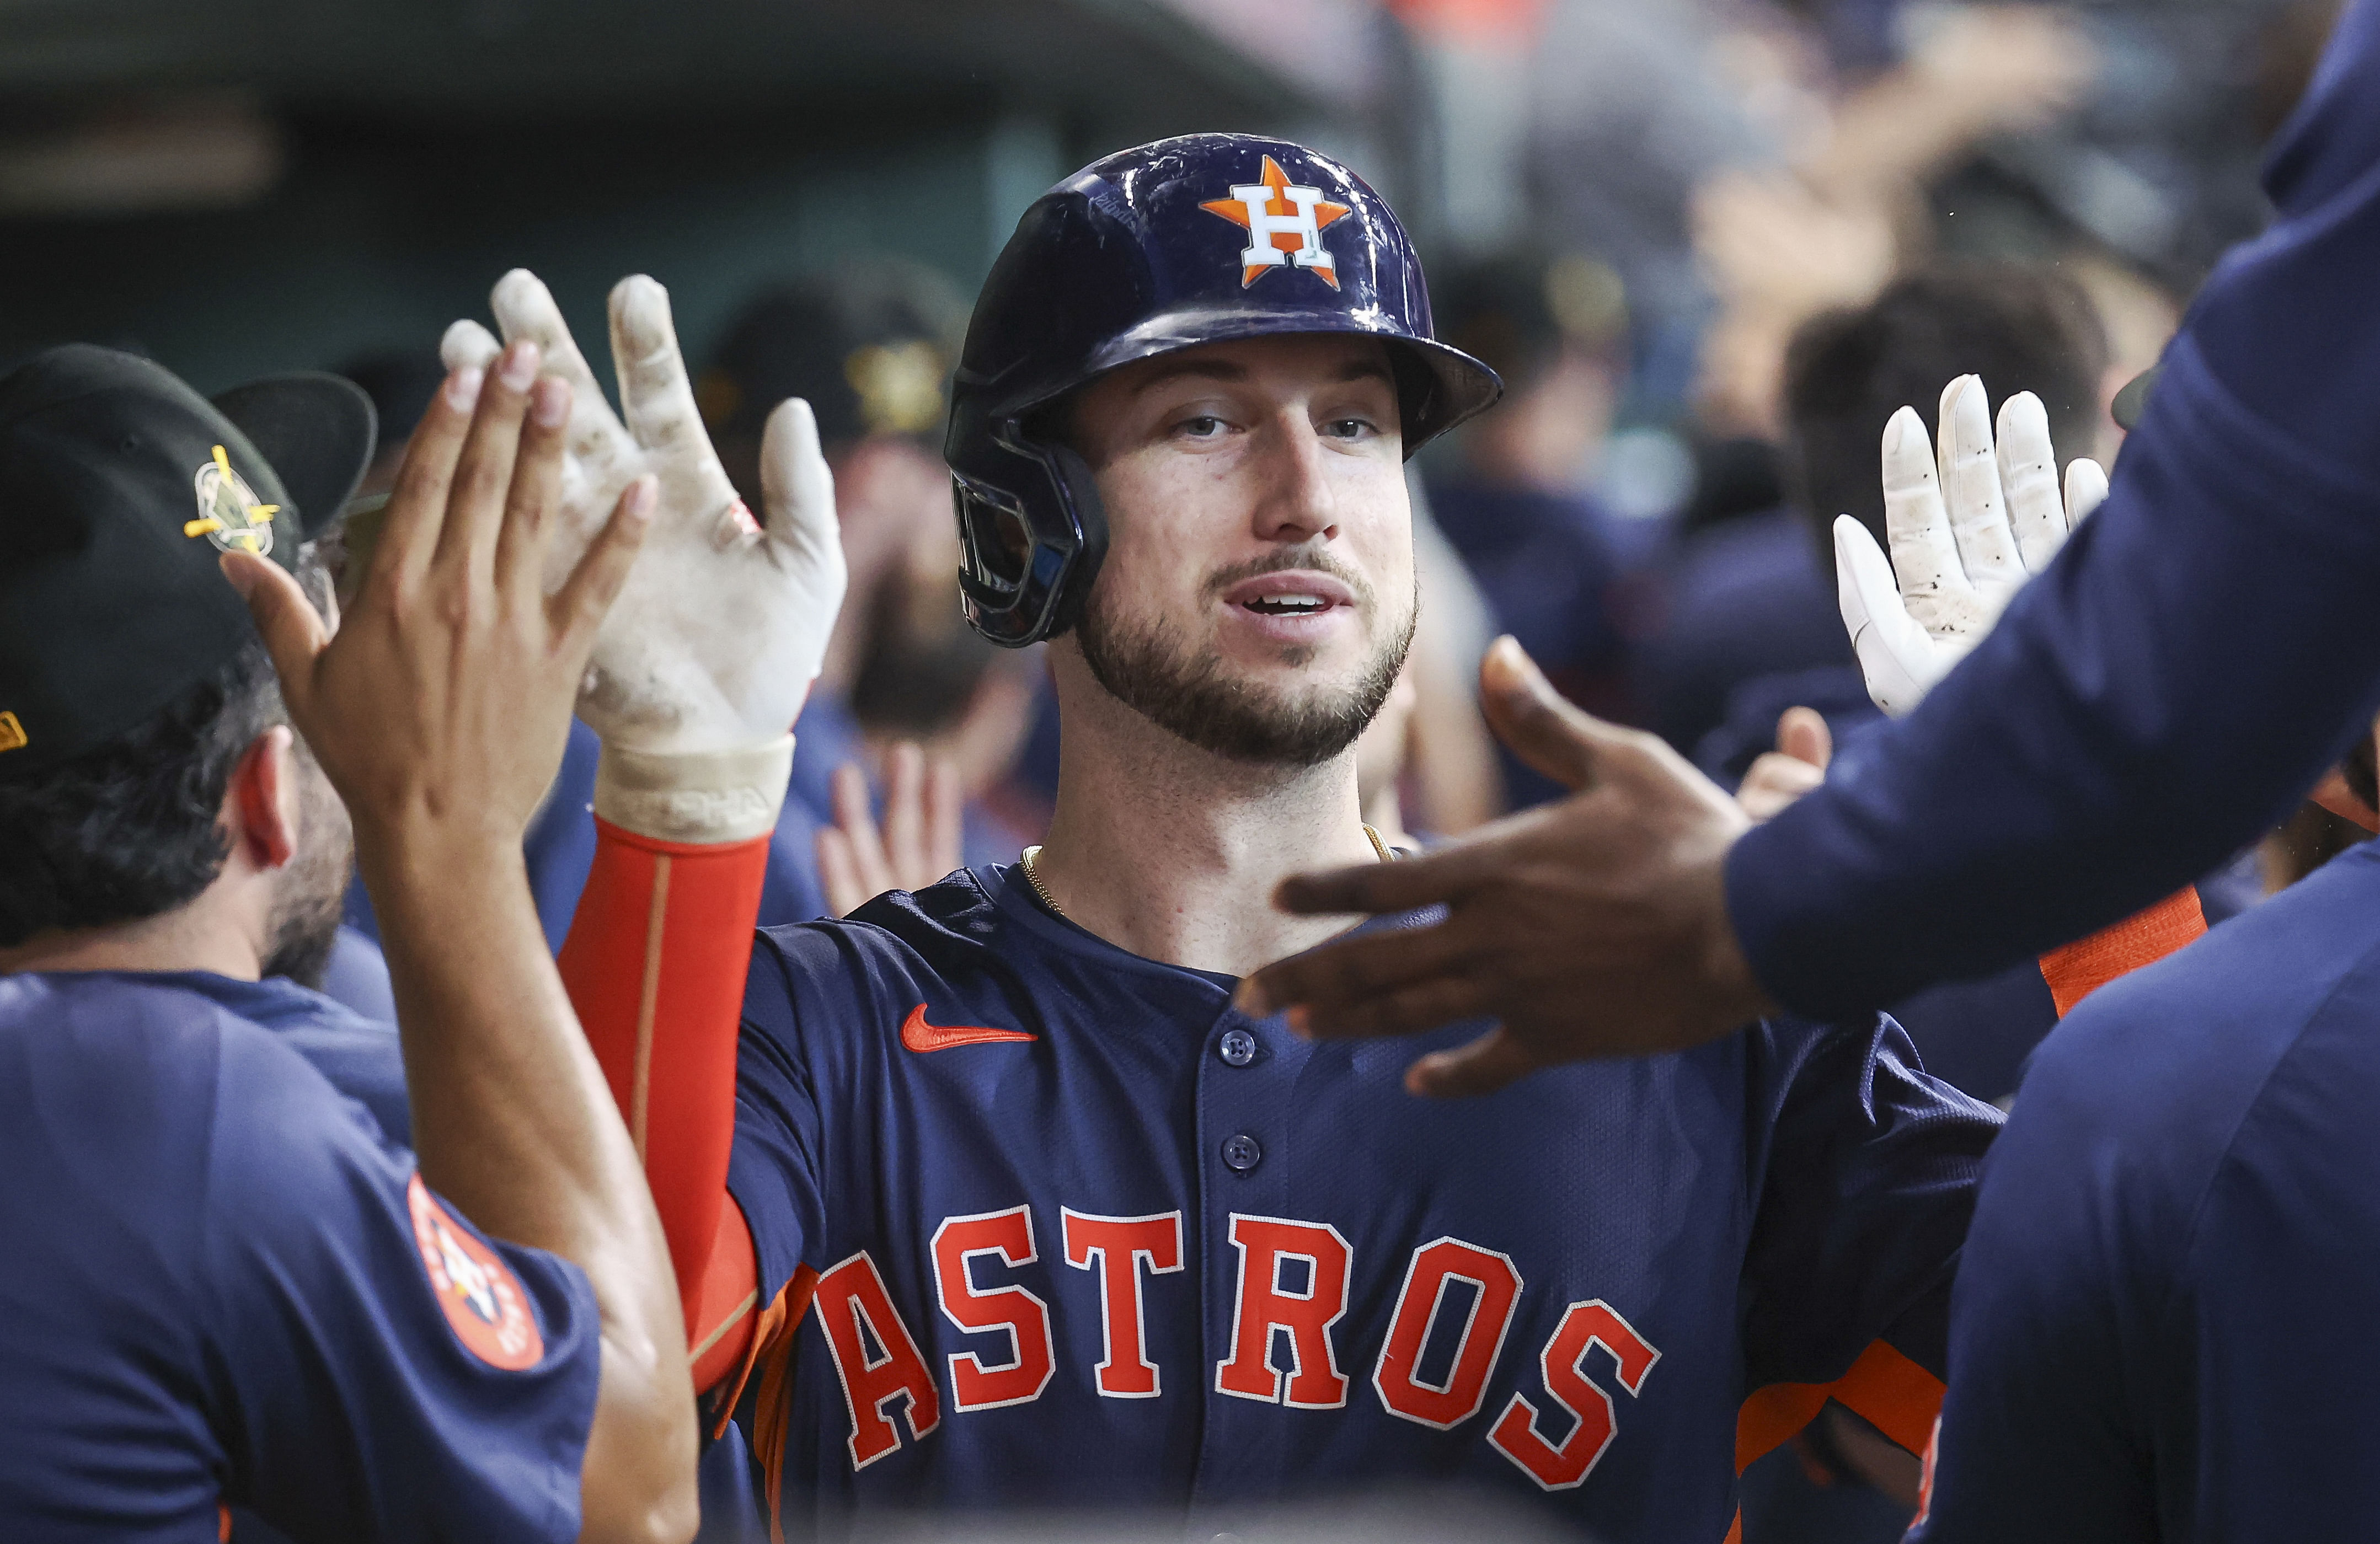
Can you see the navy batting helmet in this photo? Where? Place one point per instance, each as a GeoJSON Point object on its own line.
{"type": "Point", "coordinates": [1186, 241]}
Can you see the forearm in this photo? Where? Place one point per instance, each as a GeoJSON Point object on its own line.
{"type": "Point", "coordinates": [655, 963]}
{"type": "Point", "coordinates": [513, 1124]}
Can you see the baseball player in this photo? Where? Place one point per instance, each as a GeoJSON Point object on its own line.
{"type": "Point", "coordinates": [229, 1289]}
{"type": "Point", "coordinates": [995, 1201]}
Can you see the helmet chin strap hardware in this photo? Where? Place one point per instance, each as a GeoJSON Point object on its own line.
{"type": "Point", "coordinates": [1206, 238]}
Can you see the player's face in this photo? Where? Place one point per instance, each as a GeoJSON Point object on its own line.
{"type": "Point", "coordinates": [1258, 597]}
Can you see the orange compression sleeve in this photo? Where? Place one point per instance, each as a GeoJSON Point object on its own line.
{"type": "Point", "coordinates": [2081, 968]}
{"type": "Point", "coordinates": [655, 965]}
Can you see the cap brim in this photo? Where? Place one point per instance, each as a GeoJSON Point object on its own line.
{"type": "Point", "coordinates": [2133, 400]}
{"type": "Point", "coordinates": [317, 431]}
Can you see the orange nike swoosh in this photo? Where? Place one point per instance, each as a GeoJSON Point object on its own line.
{"type": "Point", "coordinates": [919, 1035]}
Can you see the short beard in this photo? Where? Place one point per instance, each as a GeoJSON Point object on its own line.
{"type": "Point", "coordinates": [1155, 674]}
{"type": "Point", "coordinates": [308, 902]}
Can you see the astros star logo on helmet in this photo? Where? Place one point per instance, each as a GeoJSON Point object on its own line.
{"type": "Point", "coordinates": [1284, 224]}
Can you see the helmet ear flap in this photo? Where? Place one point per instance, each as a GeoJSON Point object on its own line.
{"type": "Point", "coordinates": [1028, 550]}
{"type": "Point", "coordinates": [1074, 475]}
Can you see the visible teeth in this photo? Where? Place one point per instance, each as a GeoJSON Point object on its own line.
{"type": "Point", "coordinates": [1280, 603]}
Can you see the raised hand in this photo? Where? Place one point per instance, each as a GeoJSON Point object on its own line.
{"type": "Point", "coordinates": [917, 843]}
{"type": "Point", "coordinates": [447, 690]}
{"type": "Point", "coordinates": [1970, 521]}
{"type": "Point", "coordinates": [713, 645]}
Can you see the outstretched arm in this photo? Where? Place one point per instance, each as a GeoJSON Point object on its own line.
{"type": "Point", "coordinates": [2189, 668]}
{"type": "Point", "coordinates": [439, 711]}
{"type": "Point", "coordinates": [699, 670]}
{"type": "Point", "coordinates": [1969, 518]}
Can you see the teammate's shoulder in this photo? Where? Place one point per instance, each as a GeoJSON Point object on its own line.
{"type": "Point", "coordinates": [148, 1022]}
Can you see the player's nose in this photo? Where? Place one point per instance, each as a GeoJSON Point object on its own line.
{"type": "Point", "coordinates": [1295, 501]}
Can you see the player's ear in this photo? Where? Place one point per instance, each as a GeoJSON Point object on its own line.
{"type": "Point", "coordinates": [260, 807]}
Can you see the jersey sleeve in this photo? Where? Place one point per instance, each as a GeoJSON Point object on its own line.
{"type": "Point", "coordinates": [2182, 674]}
{"type": "Point", "coordinates": [1864, 1196]}
{"type": "Point", "coordinates": [377, 1368]}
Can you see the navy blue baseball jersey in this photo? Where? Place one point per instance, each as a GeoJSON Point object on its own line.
{"type": "Point", "coordinates": [2177, 1252]}
{"type": "Point", "coordinates": [229, 1290]}
{"type": "Point", "coordinates": [2198, 654]}
{"type": "Point", "coordinates": [1053, 1226]}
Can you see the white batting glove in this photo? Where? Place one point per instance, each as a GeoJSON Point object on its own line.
{"type": "Point", "coordinates": [1954, 570]}
{"type": "Point", "coordinates": [704, 660]}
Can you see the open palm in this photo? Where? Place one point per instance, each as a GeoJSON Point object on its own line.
{"type": "Point", "coordinates": [714, 641]}
{"type": "Point", "coordinates": [1970, 519]}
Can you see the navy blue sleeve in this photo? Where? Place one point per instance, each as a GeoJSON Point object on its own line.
{"type": "Point", "coordinates": [2184, 670]}
{"type": "Point", "coordinates": [375, 1367]}
{"type": "Point", "coordinates": [773, 1170]}
{"type": "Point", "coordinates": [1869, 1183]}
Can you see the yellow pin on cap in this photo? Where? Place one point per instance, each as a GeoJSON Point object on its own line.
{"type": "Point", "coordinates": [12, 733]}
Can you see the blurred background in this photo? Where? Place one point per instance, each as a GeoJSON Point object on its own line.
{"type": "Point", "coordinates": [1710, 244]}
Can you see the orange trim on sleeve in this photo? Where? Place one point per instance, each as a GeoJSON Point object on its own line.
{"type": "Point", "coordinates": [2081, 968]}
{"type": "Point", "coordinates": [655, 965]}
{"type": "Point", "coordinates": [1773, 1416]}
{"type": "Point", "coordinates": [1893, 1394]}
{"type": "Point", "coordinates": [772, 1414]}
{"type": "Point", "coordinates": [1883, 1387]}
{"type": "Point", "coordinates": [720, 1323]}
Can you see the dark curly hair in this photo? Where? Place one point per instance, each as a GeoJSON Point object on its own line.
{"type": "Point", "coordinates": [128, 829]}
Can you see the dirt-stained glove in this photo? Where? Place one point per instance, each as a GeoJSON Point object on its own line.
{"type": "Point", "coordinates": [705, 660]}
{"type": "Point", "coordinates": [1954, 569]}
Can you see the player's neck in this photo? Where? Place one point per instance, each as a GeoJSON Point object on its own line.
{"type": "Point", "coordinates": [217, 931]}
{"type": "Point", "coordinates": [1173, 853]}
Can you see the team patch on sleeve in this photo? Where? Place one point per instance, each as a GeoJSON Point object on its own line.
{"type": "Point", "coordinates": [478, 1292]}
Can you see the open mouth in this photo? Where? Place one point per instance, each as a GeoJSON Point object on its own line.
{"type": "Point", "coordinates": [1290, 595]}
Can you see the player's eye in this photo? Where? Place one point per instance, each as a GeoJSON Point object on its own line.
{"type": "Point", "coordinates": [1205, 425]}
{"type": "Point", "coordinates": [1350, 429]}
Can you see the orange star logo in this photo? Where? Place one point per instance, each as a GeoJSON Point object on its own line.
{"type": "Point", "coordinates": [1284, 224]}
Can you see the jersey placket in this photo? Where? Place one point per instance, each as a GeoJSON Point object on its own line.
{"type": "Point", "coordinates": [1248, 1074]}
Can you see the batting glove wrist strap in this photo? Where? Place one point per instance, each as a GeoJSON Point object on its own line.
{"type": "Point", "coordinates": [701, 797]}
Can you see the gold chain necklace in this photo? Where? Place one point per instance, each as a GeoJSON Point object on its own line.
{"type": "Point", "coordinates": [1032, 873]}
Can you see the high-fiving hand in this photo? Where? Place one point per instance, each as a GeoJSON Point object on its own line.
{"type": "Point", "coordinates": [1970, 521]}
{"type": "Point", "coordinates": [447, 690]}
{"type": "Point", "coordinates": [714, 641]}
